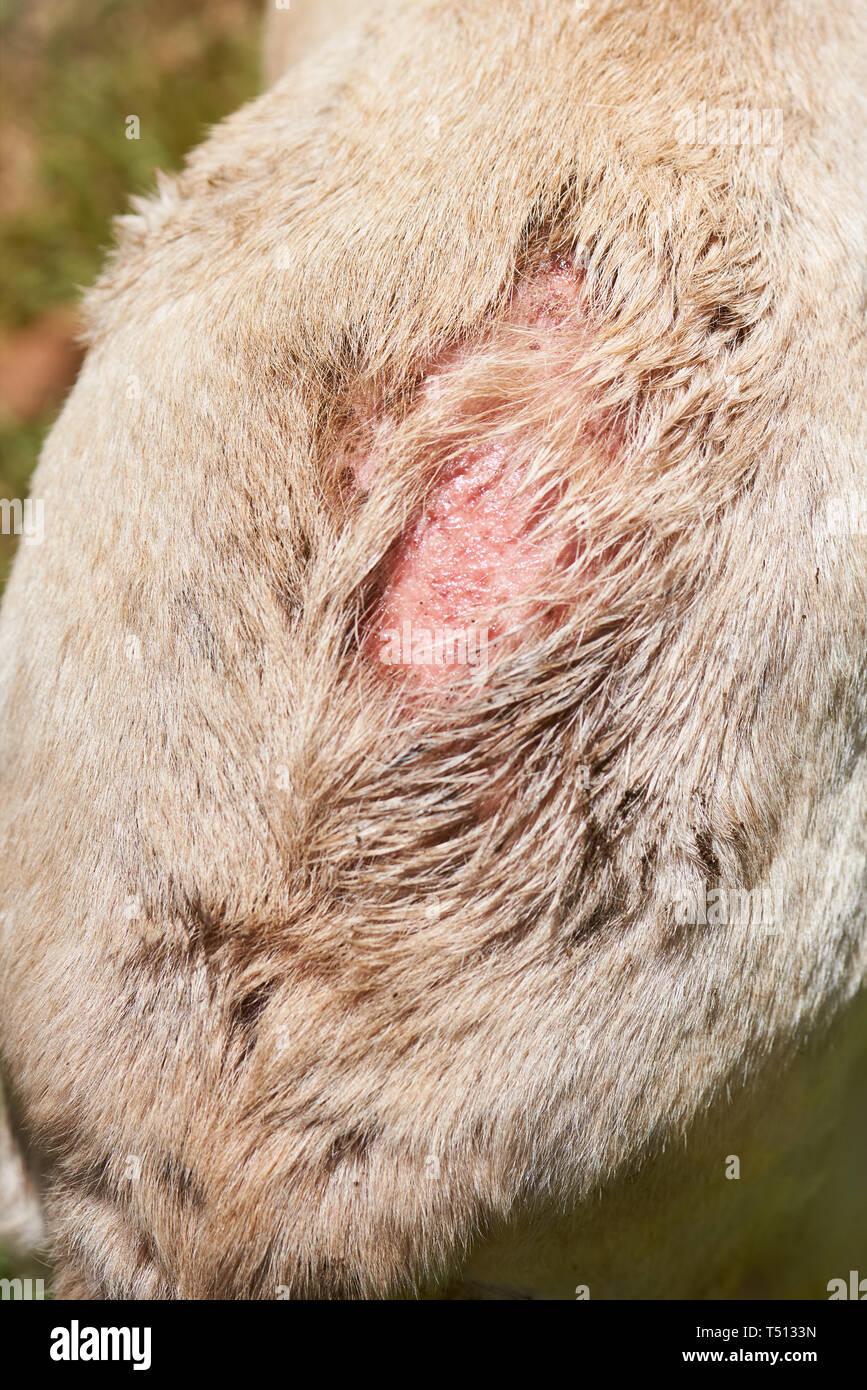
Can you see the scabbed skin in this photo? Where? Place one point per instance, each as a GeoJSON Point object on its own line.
{"type": "Point", "coordinates": [326, 977]}
{"type": "Point", "coordinates": [488, 540]}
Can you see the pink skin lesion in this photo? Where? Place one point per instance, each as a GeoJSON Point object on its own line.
{"type": "Point", "coordinates": [473, 549]}
{"type": "Point", "coordinates": [476, 548]}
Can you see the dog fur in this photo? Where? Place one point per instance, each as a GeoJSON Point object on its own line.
{"type": "Point", "coordinates": [313, 984]}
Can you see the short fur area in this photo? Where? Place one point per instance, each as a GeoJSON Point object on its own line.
{"type": "Point", "coordinates": [305, 988]}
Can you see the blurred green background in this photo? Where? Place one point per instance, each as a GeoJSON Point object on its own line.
{"type": "Point", "coordinates": [73, 71]}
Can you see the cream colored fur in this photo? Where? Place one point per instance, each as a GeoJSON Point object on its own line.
{"type": "Point", "coordinates": [307, 988]}
{"type": "Point", "coordinates": [300, 28]}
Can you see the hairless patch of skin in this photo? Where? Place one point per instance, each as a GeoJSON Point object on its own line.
{"type": "Point", "coordinates": [475, 559]}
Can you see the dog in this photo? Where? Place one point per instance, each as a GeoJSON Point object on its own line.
{"type": "Point", "coordinates": [433, 721]}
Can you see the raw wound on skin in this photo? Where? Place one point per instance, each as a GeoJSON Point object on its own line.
{"type": "Point", "coordinates": [474, 559]}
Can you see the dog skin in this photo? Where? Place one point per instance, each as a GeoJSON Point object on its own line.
{"type": "Point", "coordinates": [332, 975]}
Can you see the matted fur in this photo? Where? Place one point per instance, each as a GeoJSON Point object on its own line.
{"type": "Point", "coordinates": [312, 986]}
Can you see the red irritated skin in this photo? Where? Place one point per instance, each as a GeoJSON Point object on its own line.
{"type": "Point", "coordinates": [463, 578]}
{"type": "Point", "coordinates": [376, 970]}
